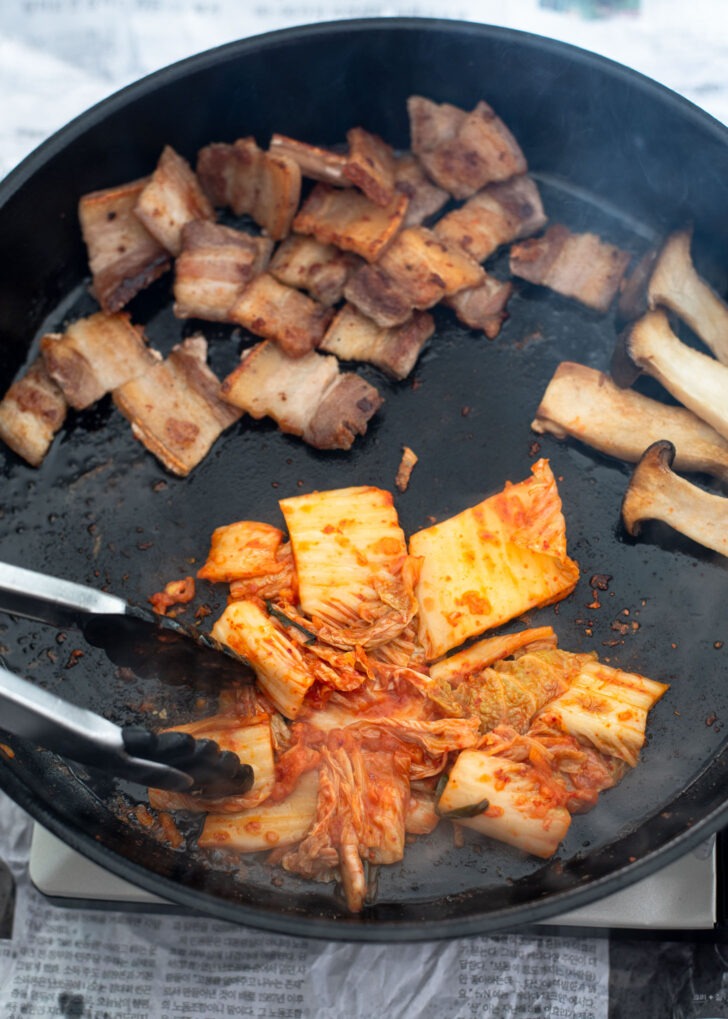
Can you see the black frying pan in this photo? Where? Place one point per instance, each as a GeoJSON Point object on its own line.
{"type": "Point", "coordinates": [613, 153]}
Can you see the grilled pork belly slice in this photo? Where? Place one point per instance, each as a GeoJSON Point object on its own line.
{"type": "Point", "coordinates": [293, 391]}
{"type": "Point", "coordinates": [175, 409]}
{"type": "Point", "coordinates": [319, 164]}
{"type": "Point", "coordinates": [215, 264]}
{"type": "Point", "coordinates": [499, 214]}
{"type": "Point", "coordinates": [461, 151]}
{"type": "Point", "coordinates": [307, 264]}
{"type": "Point", "coordinates": [586, 404]}
{"type": "Point", "coordinates": [96, 355]}
{"type": "Point", "coordinates": [276, 312]}
{"type": "Point", "coordinates": [171, 198]}
{"type": "Point", "coordinates": [424, 198]}
{"type": "Point", "coordinates": [354, 337]}
{"type": "Point", "coordinates": [580, 266]}
{"type": "Point", "coordinates": [229, 174]}
{"type": "Point", "coordinates": [343, 413]}
{"type": "Point", "coordinates": [415, 272]}
{"type": "Point", "coordinates": [483, 307]}
{"type": "Point", "coordinates": [348, 219]}
{"type": "Point", "coordinates": [31, 412]}
{"type": "Point", "coordinates": [492, 562]}
{"type": "Point", "coordinates": [250, 181]}
{"type": "Point", "coordinates": [370, 166]}
{"type": "Point", "coordinates": [123, 256]}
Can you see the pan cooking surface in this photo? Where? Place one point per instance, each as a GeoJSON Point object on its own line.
{"type": "Point", "coordinates": [102, 511]}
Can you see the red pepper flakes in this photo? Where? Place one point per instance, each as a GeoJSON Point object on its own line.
{"type": "Point", "coordinates": [176, 592]}
{"type": "Point", "coordinates": [74, 658]}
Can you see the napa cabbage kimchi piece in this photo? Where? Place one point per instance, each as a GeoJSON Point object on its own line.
{"type": "Point", "coordinates": [358, 741]}
{"type": "Point", "coordinates": [354, 574]}
{"type": "Point", "coordinates": [492, 562]}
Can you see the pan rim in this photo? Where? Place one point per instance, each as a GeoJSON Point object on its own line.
{"type": "Point", "coordinates": [515, 916]}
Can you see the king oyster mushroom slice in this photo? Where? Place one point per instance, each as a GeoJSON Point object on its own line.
{"type": "Point", "coordinates": [695, 379]}
{"type": "Point", "coordinates": [657, 493]}
{"type": "Point", "coordinates": [585, 404]}
{"type": "Point", "coordinates": [668, 278]}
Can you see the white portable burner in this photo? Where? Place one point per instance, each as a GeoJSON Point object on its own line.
{"type": "Point", "coordinates": [683, 896]}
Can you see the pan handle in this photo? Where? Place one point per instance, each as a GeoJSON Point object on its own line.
{"type": "Point", "coordinates": [52, 600]}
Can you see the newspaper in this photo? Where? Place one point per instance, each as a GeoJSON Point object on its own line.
{"type": "Point", "coordinates": [100, 964]}
{"type": "Point", "coordinates": [57, 58]}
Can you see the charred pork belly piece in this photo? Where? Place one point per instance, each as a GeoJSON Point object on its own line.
{"type": "Point", "coordinates": [306, 396]}
{"type": "Point", "coordinates": [348, 219]}
{"type": "Point", "coordinates": [96, 355]}
{"type": "Point", "coordinates": [370, 166]}
{"type": "Point", "coordinates": [499, 214]}
{"type": "Point", "coordinates": [307, 264]}
{"type": "Point", "coordinates": [248, 180]}
{"type": "Point", "coordinates": [31, 412]}
{"type": "Point", "coordinates": [697, 380]}
{"type": "Point", "coordinates": [343, 413]}
{"type": "Point", "coordinates": [175, 409]}
{"type": "Point", "coordinates": [171, 198]}
{"type": "Point", "coordinates": [314, 162]}
{"type": "Point", "coordinates": [215, 264]}
{"type": "Point", "coordinates": [585, 404]}
{"type": "Point", "coordinates": [667, 278]}
{"type": "Point", "coordinates": [483, 307]}
{"type": "Point", "coordinates": [124, 258]}
{"type": "Point", "coordinates": [581, 266]}
{"type": "Point", "coordinates": [416, 271]}
{"type": "Point", "coordinates": [425, 198]}
{"type": "Point", "coordinates": [655, 492]}
{"type": "Point", "coordinates": [354, 337]}
{"type": "Point", "coordinates": [462, 152]}
{"type": "Point", "coordinates": [277, 312]}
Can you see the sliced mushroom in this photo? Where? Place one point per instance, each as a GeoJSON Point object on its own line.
{"type": "Point", "coordinates": [585, 404]}
{"type": "Point", "coordinates": [695, 379]}
{"type": "Point", "coordinates": [669, 279]}
{"type": "Point", "coordinates": [657, 493]}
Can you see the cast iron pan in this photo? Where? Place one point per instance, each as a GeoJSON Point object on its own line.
{"type": "Point", "coordinates": [613, 153]}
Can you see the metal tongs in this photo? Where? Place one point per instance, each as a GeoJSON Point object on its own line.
{"type": "Point", "coordinates": [135, 638]}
